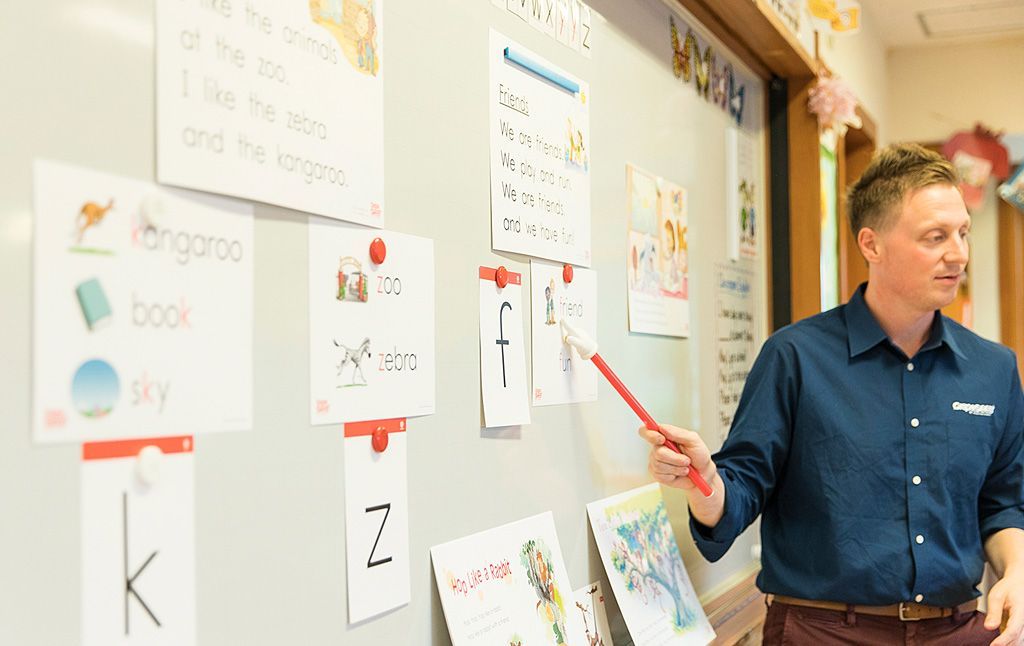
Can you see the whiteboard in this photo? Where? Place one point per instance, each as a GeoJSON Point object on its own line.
{"type": "Point", "coordinates": [269, 502]}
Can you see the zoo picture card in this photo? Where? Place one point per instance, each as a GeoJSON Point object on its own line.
{"type": "Point", "coordinates": [507, 585]}
{"type": "Point", "coordinates": [371, 324]}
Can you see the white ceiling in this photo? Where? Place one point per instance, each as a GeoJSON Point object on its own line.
{"type": "Point", "coordinates": [916, 23]}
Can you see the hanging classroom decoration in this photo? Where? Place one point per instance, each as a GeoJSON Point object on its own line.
{"type": "Point", "coordinates": [833, 102]}
{"type": "Point", "coordinates": [718, 83]}
{"type": "Point", "coordinates": [835, 16]}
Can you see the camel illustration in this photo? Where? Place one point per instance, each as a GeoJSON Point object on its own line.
{"type": "Point", "coordinates": [90, 215]}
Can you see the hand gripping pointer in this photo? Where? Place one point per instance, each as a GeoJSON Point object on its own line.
{"type": "Point", "coordinates": [587, 349]}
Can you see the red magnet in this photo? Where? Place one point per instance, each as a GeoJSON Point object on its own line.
{"type": "Point", "coordinates": [380, 439]}
{"type": "Point", "coordinates": [501, 276]}
{"type": "Point", "coordinates": [378, 251]}
{"type": "Point", "coordinates": [567, 273]}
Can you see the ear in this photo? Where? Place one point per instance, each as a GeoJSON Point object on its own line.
{"type": "Point", "coordinates": [870, 244]}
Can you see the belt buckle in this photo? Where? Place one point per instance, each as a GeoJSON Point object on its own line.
{"type": "Point", "coordinates": [903, 616]}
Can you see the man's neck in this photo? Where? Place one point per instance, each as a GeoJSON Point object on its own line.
{"type": "Point", "coordinates": [906, 327]}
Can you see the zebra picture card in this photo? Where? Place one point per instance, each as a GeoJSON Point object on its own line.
{"type": "Point", "coordinates": [371, 324]}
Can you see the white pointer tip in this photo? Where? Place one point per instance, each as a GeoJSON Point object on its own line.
{"type": "Point", "coordinates": [585, 346]}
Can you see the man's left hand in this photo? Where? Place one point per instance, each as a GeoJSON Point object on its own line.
{"type": "Point", "coordinates": [1007, 597]}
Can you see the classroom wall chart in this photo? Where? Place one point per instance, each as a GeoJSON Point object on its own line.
{"type": "Point", "coordinates": [741, 197]}
{"type": "Point", "coordinates": [138, 543]}
{"type": "Point", "coordinates": [735, 345]}
{"type": "Point", "coordinates": [567, 21]}
{"type": "Point", "coordinates": [275, 102]}
{"type": "Point", "coordinates": [560, 376]}
{"type": "Point", "coordinates": [502, 351]}
{"type": "Point", "coordinates": [540, 156]}
{"type": "Point", "coordinates": [507, 585]}
{"type": "Point", "coordinates": [646, 571]}
{"type": "Point", "coordinates": [143, 309]}
{"type": "Point", "coordinates": [657, 255]}
{"type": "Point", "coordinates": [376, 517]}
{"type": "Point", "coordinates": [371, 324]}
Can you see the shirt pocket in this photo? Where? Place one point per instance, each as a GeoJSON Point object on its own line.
{"type": "Point", "coordinates": [970, 445]}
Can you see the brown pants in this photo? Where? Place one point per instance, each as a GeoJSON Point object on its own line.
{"type": "Point", "coordinates": [799, 626]}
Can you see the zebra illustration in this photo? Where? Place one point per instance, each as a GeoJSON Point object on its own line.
{"type": "Point", "coordinates": [354, 356]}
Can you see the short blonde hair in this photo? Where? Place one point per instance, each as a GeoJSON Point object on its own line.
{"type": "Point", "coordinates": [893, 173]}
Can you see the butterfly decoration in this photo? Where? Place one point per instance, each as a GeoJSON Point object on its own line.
{"type": "Point", "coordinates": [718, 84]}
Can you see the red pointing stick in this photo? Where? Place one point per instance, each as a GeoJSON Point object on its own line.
{"type": "Point", "coordinates": [587, 349]}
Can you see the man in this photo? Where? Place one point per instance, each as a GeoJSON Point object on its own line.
{"type": "Point", "coordinates": [882, 442]}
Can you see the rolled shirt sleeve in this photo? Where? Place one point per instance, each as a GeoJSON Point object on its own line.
{"type": "Point", "coordinates": [754, 455]}
{"type": "Point", "coordinates": [1001, 503]}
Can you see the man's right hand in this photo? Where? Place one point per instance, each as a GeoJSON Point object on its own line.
{"type": "Point", "coordinates": [672, 469]}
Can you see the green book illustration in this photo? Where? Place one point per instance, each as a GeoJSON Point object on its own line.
{"type": "Point", "coordinates": [94, 303]}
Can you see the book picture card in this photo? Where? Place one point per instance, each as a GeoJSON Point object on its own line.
{"type": "Point", "coordinates": [502, 355]}
{"type": "Point", "coordinates": [279, 102]}
{"type": "Point", "coordinates": [560, 376]}
{"type": "Point", "coordinates": [540, 155]}
{"type": "Point", "coordinates": [376, 517]}
{"type": "Point", "coordinates": [507, 585]}
{"type": "Point", "coordinates": [371, 323]}
{"type": "Point", "coordinates": [142, 309]}
{"type": "Point", "coordinates": [138, 543]}
{"type": "Point", "coordinates": [646, 570]}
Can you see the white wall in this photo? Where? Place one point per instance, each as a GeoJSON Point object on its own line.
{"type": "Point", "coordinates": [938, 90]}
{"type": "Point", "coordinates": [983, 270]}
{"type": "Point", "coordinates": [860, 59]}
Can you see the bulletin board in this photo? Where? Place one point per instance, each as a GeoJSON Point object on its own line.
{"type": "Point", "coordinates": [270, 501]}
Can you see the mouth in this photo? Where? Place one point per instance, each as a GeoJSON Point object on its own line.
{"type": "Point", "coordinates": [949, 279]}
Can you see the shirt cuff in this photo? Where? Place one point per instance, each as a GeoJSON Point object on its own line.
{"type": "Point", "coordinates": [1005, 519]}
{"type": "Point", "coordinates": [714, 542]}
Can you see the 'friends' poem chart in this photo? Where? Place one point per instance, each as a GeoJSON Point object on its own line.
{"type": "Point", "coordinates": [279, 102]}
{"type": "Point", "coordinates": [540, 156]}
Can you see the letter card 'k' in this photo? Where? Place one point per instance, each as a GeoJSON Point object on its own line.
{"type": "Point", "coordinates": [138, 543]}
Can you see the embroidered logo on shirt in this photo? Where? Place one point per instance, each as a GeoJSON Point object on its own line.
{"type": "Point", "coordinates": [985, 410]}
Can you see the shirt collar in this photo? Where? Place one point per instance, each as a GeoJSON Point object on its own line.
{"type": "Point", "coordinates": [864, 332]}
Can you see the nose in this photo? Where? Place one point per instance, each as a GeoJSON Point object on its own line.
{"type": "Point", "coordinates": [957, 252]}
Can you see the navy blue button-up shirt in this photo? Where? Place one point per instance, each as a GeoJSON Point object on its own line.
{"type": "Point", "coordinates": [879, 476]}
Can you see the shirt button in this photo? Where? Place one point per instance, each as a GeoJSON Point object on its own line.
{"type": "Point", "coordinates": [916, 480]}
{"type": "Point", "coordinates": [910, 367]}
{"type": "Point", "coordinates": [919, 598]}
{"type": "Point", "coordinates": [919, 539]}
{"type": "Point", "coordinates": [915, 423]}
